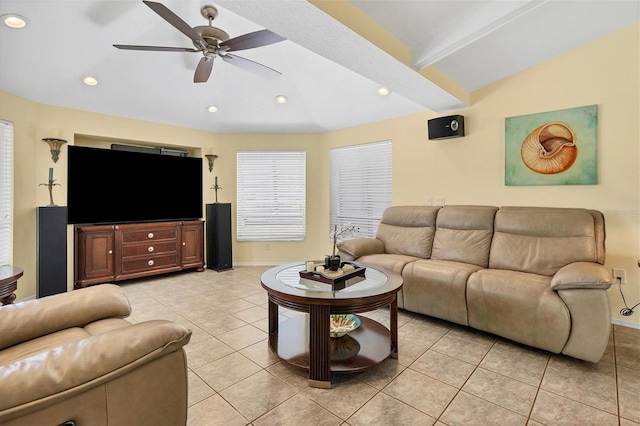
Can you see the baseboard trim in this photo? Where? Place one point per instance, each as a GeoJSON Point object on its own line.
{"type": "Point", "coordinates": [625, 323]}
{"type": "Point", "coordinates": [260, 263]}
{"type": "Point", "coordinates": [33, 297]}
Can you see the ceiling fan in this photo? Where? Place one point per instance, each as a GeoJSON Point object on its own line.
{"type": "Point", "coordinates": [212, 42]}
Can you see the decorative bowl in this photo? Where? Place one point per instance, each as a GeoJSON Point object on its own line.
{"type": "Point", "coordinates": [343, 324]}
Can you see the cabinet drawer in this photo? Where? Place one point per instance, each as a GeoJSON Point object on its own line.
{"type": "Point", "coordinates": [151, 247]}
{"type": "Point", "coordinates": [149, 263]}
{"type": "Point", "coordinates": [149, 235]}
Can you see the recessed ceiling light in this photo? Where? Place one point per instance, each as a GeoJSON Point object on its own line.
{"type": "Point", "coordinates": [212, 108]}
{"type": "Point", "coordinates": [12, 20]}
{"type": "Point", "coordinates": [383, 91]}
{"type": "Point", "coordinates": [90, 81]}
{"type": "Point", "coordinates": [281, 99]}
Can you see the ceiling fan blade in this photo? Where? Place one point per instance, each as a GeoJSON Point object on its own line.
{"type": "Point", "coordinates": [251, 40]}
{"type": "Point", "coordinates": [251, 66]}
{"type": "Point", "coordinates": [203, 70]}
{"type": "Point", "coordinates": [176, 21]}
{"type": "Point", "coordinates": [155, 48]}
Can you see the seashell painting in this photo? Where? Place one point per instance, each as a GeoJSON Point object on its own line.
{"type": "Point", "coordinates": [552, 148]}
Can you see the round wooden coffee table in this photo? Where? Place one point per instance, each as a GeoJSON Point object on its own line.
{"type": "Point", "coordinates": [304, 340]}
{"type": "Point", "coordinates": [9, 276]}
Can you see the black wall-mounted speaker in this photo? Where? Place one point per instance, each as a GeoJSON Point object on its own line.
{"type": "Point", "coordinates": [451, 126]}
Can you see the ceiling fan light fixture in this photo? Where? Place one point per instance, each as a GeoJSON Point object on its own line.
{"type": "Point", "coordinates": [12, 20]}
{"type": "Point", "coordinates": [90, 81]}
{"type": "Point", "coordinates": [281, 99]}
{"type": "Point", "coordinates": [383, 91]}
{"type": "Point", "coordinates": [212, 108]}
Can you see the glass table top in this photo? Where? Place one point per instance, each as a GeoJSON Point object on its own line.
{"type": "Point", "coordinates": [291, 277]}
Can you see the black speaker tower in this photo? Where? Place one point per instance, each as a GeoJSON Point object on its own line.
{"type": "Point", "coordinates": [219, 255]}
{"type": "Point", "coordinates": [51, 235]}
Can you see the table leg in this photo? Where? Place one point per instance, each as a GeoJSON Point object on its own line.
{"type": "Point", "coordinates": [8, 299]}
{"type": "Point", "coordinates": [394, 328]}
{"type": "Point", "coordinates": [319, 366]}
{"type": "Point", "coordinates": [7, 295]}
{"type": "Point", "coordinates": [273, 318]}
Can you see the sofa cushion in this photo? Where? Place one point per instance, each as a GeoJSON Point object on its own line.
{"type": "Point", "coordinates": [41, 344]}
{"type": "Point", "coordinates": [463, 234]}
{"type": "Point", "coordinates": [437, 288]}
{"type": "Point", "coordinates": [60, 311]}
{"type": "Point", "coordinates": [542, 240]}
{"type": "Point", "coordinates": [408, 230]}
{"type": "Point", "coordinates": [519, 306]}
{"type": "Point", "coordinates": [89, 361]}
{"type": "Point", "coordinates": [393, 262]}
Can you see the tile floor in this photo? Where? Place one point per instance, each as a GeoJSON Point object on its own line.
{"type": "Point", "coordinates": [445, 374]}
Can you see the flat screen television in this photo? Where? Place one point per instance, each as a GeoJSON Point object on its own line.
{"type": "Point", "coordinates": [110, 186]}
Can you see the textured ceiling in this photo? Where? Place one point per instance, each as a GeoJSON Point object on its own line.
{"type": "Point", "coordinates": [330, 72]}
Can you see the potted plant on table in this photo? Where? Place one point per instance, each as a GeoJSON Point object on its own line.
{"type": "Point", "coordinates": [337, 235]}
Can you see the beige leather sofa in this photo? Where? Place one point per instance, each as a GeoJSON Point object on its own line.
{"type": "Point", "coordinates": [73, 358]}
{"type": "Point", "coordinates": [530, 274]}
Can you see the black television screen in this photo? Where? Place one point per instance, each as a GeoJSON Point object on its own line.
{"type": "Point", "coordinates": [109, 186]}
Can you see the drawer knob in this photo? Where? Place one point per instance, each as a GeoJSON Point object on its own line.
{"type": "Point", "coordinates": [150, 235]}
{"type": "Point", "coordinates": [150, 263]}
{"type": "Point", "coordinates": [184, 244]}
{"type": "Point", "coordinates": [150, 249]}
{"type": "Point", "coordinates": [110, 251]}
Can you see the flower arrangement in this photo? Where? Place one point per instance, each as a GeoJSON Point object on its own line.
{"type": "Point", "coordinates": [339, 233]}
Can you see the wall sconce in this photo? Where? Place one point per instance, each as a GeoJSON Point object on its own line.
{"type": "Point", "coordinates": [55, 144]}
{"type": "Point", "coordinates": [211, 158]}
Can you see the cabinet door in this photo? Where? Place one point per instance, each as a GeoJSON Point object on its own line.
{"type": "Point", "coordinates": [192, 245]}
{"type": "Point", "coordinates": [95, 261]}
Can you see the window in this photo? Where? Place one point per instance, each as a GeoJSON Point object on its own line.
{"type": "Point", "coordinates": [6, 185]}
{"type": "Point", "coordinates": [360, 187]}
{"type": "Point", "coordinates": [271, 195]}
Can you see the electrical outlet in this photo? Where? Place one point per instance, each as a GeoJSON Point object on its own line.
{"type": "Point", "coordinates": [620, 274]}
{"type": "Point", "coordinates": [267, 247]}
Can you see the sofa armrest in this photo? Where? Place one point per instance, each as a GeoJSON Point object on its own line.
{"type": "Point", "coordinates": [74, 367]}
{"type": "Point", "coordinates": [358, 247]}
{"type": "Point", "coordinates": [34, 318]}
{"type": "Point", "coordinates": [587, 275]}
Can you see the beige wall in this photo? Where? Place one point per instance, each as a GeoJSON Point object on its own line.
{"type": "Point", "coordinates": [468, 170]}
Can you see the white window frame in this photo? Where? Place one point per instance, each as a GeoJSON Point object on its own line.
{"type": "Point", "coordinates": [6, 191]}
{"type": "Point", "coordinates": [360, 186]}
{"type": "Point", "coordinates": [271, 196]}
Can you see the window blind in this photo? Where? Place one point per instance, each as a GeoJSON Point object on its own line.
{"type": "Point", "coordinates": [6, 190]}
{"type": "Point", "coordinates": [271, 195]}
{"type": "Point", "coordinates": [360, 186]}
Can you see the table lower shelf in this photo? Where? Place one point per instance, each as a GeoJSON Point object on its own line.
{"type": "Point", "coordinates": [363, 348]}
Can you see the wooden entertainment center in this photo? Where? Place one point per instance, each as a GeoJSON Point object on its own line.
{"type": "Point", "coordinates": [106, 253]}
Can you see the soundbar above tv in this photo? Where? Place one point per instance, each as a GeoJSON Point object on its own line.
{"type": "Point", "coordinates": [119, 186]}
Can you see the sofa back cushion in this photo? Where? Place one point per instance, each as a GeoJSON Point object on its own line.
{"type": "Point", "coordinates": [408, 230]}
{"type": "Point", "coordinates": [464, 233]}
{"type": "Point", "coordinates": [542, 240]}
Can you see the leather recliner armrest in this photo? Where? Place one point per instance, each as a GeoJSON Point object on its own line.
{"type": "Point", "coordinates": [358, 247]}
{"type": "Point", "coordinates": [581, 275]}
{"type": "Point", "coordinates": [35, 318]}
{"type": "Point", "coordinates": [76, 366]}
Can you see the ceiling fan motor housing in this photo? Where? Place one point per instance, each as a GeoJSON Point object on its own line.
{"type": "Point", "coordinates": [212, 35]}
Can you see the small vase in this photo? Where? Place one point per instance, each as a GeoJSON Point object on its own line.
{"type": "Point", "coordinates": [335, 263]}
